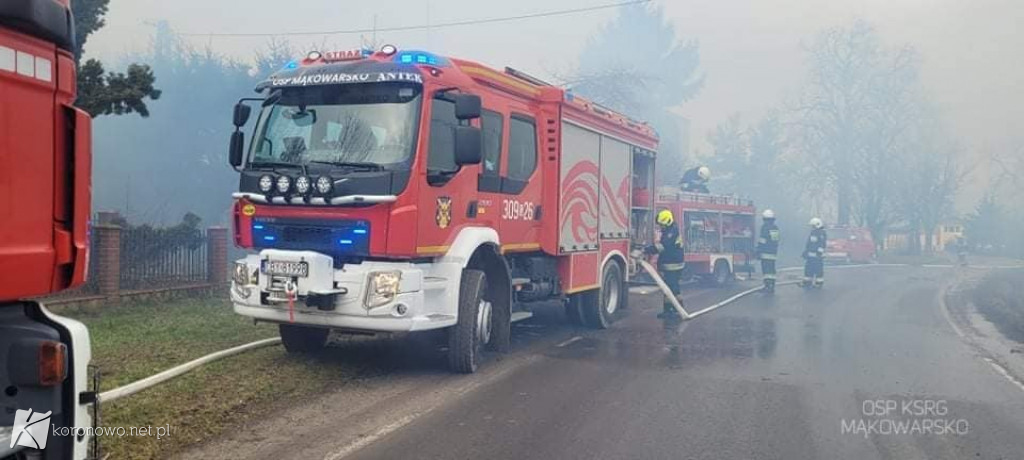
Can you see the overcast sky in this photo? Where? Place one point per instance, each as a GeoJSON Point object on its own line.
{"type": "Point", "coordinates": [750, 49]}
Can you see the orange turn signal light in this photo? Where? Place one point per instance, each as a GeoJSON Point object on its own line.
{"type": "Point", "coordinates": [53, 363]}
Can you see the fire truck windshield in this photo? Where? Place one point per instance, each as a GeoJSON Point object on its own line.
{"type": "Point", "coordinates": [371, 125]}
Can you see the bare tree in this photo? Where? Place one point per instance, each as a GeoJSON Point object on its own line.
{"type": "Point", "coordinates": [894, 107]}
{"type": "Point", "coordinates": [836, 104]}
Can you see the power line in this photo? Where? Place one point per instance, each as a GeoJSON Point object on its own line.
{"type": "Point", "coordinates": [423, 26]}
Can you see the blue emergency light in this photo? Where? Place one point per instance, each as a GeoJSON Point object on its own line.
{"type": "Point", "coordinates": [421, 57]}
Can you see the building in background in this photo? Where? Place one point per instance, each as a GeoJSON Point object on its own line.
{"type": "Point", "coordinates": [943, 236]}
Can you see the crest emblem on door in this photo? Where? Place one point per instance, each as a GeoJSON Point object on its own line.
{"type": "Point", "coordinates": [443, 214]}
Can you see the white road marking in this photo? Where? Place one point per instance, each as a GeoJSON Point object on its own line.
{"type": "Point", "coordinates": [567, 342]}
{"type": "Point", "coordinates": [369, 439]}
{"type": "Point", "coordinates": [1002, 370]}
{"type": "Point", "coordinates": [949, 318]}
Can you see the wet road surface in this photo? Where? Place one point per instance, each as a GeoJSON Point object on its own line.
{"type": "Point", "coordinates": [866, 368]}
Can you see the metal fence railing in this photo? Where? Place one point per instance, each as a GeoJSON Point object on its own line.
{"type": "Point", "coordinates": [153, 259]}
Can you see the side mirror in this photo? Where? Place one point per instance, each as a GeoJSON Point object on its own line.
{"type": "Point", "coordinates": [468, 145]}
{"type": "Point", "coordinates": [242, 113]}
{"type": "Point", "coordinates": [467, 106]}
{"type": "Point", "coordinates": [235, 151]}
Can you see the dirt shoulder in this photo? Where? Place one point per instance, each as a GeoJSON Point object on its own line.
{"type": "Point", "coordinates": [986, 307]}
{"type": "Point", "coordinates": [135, 340]}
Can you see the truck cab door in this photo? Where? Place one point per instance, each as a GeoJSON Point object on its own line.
{"type": "Point", "coordinates": [520, 209]}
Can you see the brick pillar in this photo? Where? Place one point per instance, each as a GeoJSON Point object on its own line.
{"type": "Point", "coordinates": [217, 255]}
{"type": "Point", "coordinates": [107, 217]}
{"type": "Point", "coordinates": [108, 259]}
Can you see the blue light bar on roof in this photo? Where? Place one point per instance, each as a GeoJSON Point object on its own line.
{"type": "Point", "coordinates": [421, 57]}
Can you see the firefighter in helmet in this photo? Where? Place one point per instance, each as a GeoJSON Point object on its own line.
{"type": "Point", "coordinates": [670, 258]}
{"type": "Point", "coordinates": [696, 180]}
{"type": "Point", "coordinates": [768, 248]}
{"type": "Point", "coordinates": [814, 255]}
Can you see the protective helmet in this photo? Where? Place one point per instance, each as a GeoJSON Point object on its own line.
{"type": "Point", "coordinates": [704, 173]}
{"type": "Point", "coordinates": [816, 223]}
{"type": "Point", "coordinates": [665, 218]}
{"type": "Point", "coordinates": [768, 214]}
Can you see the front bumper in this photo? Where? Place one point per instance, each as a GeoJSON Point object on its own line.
{"type": "Point", "coordinates": [426, 296]}
{"type": "Point", "coordinates": [837, 256]}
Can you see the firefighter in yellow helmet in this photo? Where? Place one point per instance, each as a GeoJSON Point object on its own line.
{"type": "Point", "coordinates": [670, 258]}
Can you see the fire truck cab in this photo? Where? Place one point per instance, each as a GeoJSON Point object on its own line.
{"type": "Point", "coordinates": [399, 190]}
{"type": "Point", "coordinates": [45, 161]}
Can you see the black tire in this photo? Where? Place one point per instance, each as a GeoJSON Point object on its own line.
{"type": "Point", "coordinates": [604, 302]}
{"type": "Point", "coordinates": [466, 341]}
{"type": "Point", "coordinates": [302, 339]}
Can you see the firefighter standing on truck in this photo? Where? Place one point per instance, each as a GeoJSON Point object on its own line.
{"type": "Point", "coordinates": [670, 259]}
{"type": "Point", "coordinates": [696, 180]}
{"type": "Point", "coordinates": [768, 249]}
{"type": "Point", "coordinates": [814, 255]}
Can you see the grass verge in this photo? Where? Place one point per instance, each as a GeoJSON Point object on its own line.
{"type": "Point", "coordinates": [1000, 298]}
{"type": "Point", "coordinates": [133, 341]}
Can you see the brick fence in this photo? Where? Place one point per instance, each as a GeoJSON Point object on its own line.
{"type": "Point", "coordinates": [201, 267]}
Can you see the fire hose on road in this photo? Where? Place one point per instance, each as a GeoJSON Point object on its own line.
{"type": "Point", "coordinates": [679, 307]}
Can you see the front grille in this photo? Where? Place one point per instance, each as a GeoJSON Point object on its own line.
{"type": "Point", "coordinates": [338, 238]}
{"type": "Point", "coordinates": [314, 235]}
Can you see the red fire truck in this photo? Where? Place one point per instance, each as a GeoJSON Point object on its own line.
{"type": "Point", "coordinates": [399, 190]}
{"type": "Point", "coordinates": [44, 197]}
{"type": "Point", "coordinates": [719, 232]}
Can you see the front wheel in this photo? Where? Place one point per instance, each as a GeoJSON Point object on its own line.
{"type": "Point", "coordinates": [468, 337]}
{"type": "Point", "coordinates": [302, 339]}
{"type": "Point", "coordinates": [599, 313]}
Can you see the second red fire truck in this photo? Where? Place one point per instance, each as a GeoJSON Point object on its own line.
{"type": "Point", "coordinates": [400, 190]}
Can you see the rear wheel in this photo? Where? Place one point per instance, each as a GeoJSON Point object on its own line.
{"type": "Point", "coordinates": [467, 339]}
{"type": "Point", "coordinates": [599, 313]}
{"type": "Point", "coordinates": [302, 339]}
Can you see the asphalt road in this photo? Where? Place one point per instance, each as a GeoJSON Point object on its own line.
{"type": "Point", "coordinates": [869, 367]}
{"type": "Point", "coordinates": [866, 368]}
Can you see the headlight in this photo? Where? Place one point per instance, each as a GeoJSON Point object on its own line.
{"type": "Point", "coordinates": [241, 274]}
{"type": "Point", "coordinates": [283, 184]}
{"type": "Point", "coordinates": [302, 185]}
{"type": "Point", "coordinates": [323, 185]}
{"type": "Point", "coordinates": [382, 288]}
{"type": "Point", "coordinates": [266, 183]}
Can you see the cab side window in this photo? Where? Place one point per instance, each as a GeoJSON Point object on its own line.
{"type": "Point", "coordinates": [441, 156]}
{"type": "Point", "coordinates": [492, 128]}
{"type": "Point", "coordinates": [522, 153]}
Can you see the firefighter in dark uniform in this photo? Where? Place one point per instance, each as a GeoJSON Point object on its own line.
{"type": "Point", "coordinates": [814, 255]}
{"type": "Point", "coordinates": [768, 248]}
{"type": "Point", "coordinates": [696, 180]}
{"type": "Point", "coordinates": [670, 259]}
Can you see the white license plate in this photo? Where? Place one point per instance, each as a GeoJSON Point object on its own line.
{"type": "Point", "coordinates": [279, 267]}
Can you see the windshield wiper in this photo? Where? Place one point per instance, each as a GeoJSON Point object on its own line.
{"type": "Point", "coordinates": [352, 164]}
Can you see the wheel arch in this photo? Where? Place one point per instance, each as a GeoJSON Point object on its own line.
{"type": "Point", "coordinates": [618, 257]}
{"type": "Point", "coordinates": [487, 257]}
